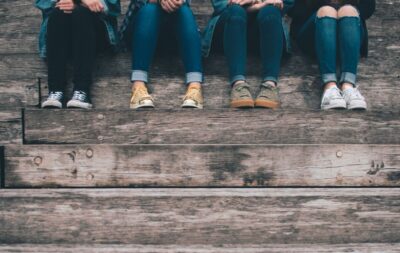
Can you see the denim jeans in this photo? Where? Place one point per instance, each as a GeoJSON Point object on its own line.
{"type": "Point", "coordinates": [333, 41]}
{"type": "Point", "coordinates": [146, 29]}
{"type": "Point", "coordinates": [262, 30]}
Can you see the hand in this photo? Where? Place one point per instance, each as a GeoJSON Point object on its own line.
{"type": "Point", "coordinates": [66, 6]}
{"type": "Point", "coordinates": [260, 4]}
{"type": "Point", "coordinates": [93, 5]}
{"type": "Point", "coordinates": [241, 2]}
{"type": "Point", "coordinates": [171, 5]}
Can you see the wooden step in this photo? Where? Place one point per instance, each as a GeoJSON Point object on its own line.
{"type": "Point", "coordinates": [10, 126]}
{"type": "Point", "coordinates": [200, 216]}
{"type": "Point", "coordinates": [222, 126]}
{"type": "Point", "coordinates": [201, 165]}
{"type": "Point", "coordinates": [269, 248]}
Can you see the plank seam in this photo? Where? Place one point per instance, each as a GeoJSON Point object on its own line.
{"type": "Point", "coordinates": [2, 167]}
{"type": "Point", "coordinates": [23, 125]}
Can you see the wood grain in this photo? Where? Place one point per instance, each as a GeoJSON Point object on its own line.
{"type": "Point", "coordinates": [269, 248]}
{"type": "Point", "coordinates": [10, 126]}
{"type": "Point", "coordinates": [201, 165]}
{"type": "Point", "coordinates": [200, 216]}
{"type": "Point", "coordinates": [256, 126]}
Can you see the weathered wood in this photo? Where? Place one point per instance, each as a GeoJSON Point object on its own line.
{"type": "Point", "coordinates": [19, 93]}
{"type": "Point", "coordinates": [269, 248]}
{"type": "Point", "coordinates": [202, 165]}
{"type": "Point", "coordinates": [200, 216]}
{"type": "Point", "coordinates": [10, 126]}
{"type": "Point", "coordinates": [211, 127]}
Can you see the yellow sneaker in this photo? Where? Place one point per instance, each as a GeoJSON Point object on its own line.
{"type": "Point", "coordinates": [193, 98]}
{"type": "Point", "coordinates": [141, 98]}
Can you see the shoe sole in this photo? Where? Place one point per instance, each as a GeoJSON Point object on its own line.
{"type": "Point", "coordinates": [245, 103]}
{"type": "Point", "coordinates": [145, 104]}
{"type": "Point", "coordinates": [337, 106]}
{"type": "Point", "coordinates": [266, 104]}
{"type": "Point", "coordinates": [357, 106]}
{"type": "Point", "coordinates": [79, 105]}
{"type": "Point", "coordinates": [191, 104]}
{"type": "Point", "coordinates": [52, 104]}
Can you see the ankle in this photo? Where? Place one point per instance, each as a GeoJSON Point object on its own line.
{"type": "Point", "coordinates": [238, 82]}
{"type": "Point", "coordinates": [330, 85]}
{"type": "Point", "coordinates": [138, 84]}
{"type": "Point", "coordinates": [194, 85]}
{"type": "Point", "coordinates": [346, 86]}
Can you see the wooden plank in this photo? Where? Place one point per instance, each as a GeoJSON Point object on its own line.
{"type": "Point", "coordinates": [202, 165]}
{"type": "Point", "coordinates": [10, 126]}
{"type": "Point", "coordinates": [211, 127]}
{"type": "Point", "coordinates": [200, 216]}
{"type": "Point", "coordinates": [383, 61]}
{"type": "Point", "coordinates": [2, 167]}
{"type": "Point", "coordinates": [296, 92]}
{"type": "Point", "coordinates": [269, 248]}
{"type": "Point", "coordinates": [19, 93]}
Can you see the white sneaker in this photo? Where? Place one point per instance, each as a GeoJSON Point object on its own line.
{"type": "Point", "coordinates": [354, 99]}
{"type": "Point", "coordinates": [80, 99]}
{"type": "Point", "coordinates": [54, 100]}
{"type": "Point", "coordinates": [333, 99]}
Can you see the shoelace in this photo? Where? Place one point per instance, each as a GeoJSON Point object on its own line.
{"type": "Point", "coordinates": [55, 95]}
{"type": "Point", "coordinates": [143, 94]}
{"type": "Point", "coordinates": [334, 93]}
{"type": "Point", "coordinates": [79, 95]}
{"type": "Point", "coordinates": [193, 94]}
{"type": "Point", "coordinates": [355, 94]}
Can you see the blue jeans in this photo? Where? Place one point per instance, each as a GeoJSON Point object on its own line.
{"type": "Point", "coordinates": [329, 39]}
{"type": "Point", "coordinates": [263, 30]}
{"type": "Point", "coordinates": [147, 24]}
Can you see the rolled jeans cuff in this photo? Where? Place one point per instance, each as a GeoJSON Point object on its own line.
{"type": "Point", "coordinates": [270, 78]}
{"type": "Point", "coordinates": [237, 78]}
{"type": "Point", "coordinates": [194, 77]}
{"type": "Point", "coordinates": [348, 77]}
{"type": "Point", "coordinates": [140, 75]}
{"type": "Point", "coordinates": [330, 77]}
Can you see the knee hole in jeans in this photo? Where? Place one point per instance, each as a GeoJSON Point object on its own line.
{"type": "Point", "coordinates": [348, 11]}
{"type": "Point", "coordinates": [327, 11]}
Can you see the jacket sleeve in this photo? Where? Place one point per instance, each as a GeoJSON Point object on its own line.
{"type": "Point", "coordinates": [366, 8]}
{"type": "Point", "coordinates": [112, 7]}
{"type": "Point", "coordinates": [45, 5]}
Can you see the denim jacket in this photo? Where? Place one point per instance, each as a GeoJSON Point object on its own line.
{"type": "Point", "coordinates": [112, 9]}
{"type": "Point", "coordinates": [300, 13]}
{"type": "Point", "coordinates": [219, 7]}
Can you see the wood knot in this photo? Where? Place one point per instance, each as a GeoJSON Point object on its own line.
{"type": "Point", "coordinates": [89, 153]}
{"type": "Point", "coordinates": [38, 160]}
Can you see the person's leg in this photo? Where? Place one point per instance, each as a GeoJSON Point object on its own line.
{"type": "Point", "coordinates": [58, 41]}
{"type": "Point", "coordinates": [145, 36]}
{"type": "Point", "coordinates": [326, 44]}
{"type": "Point", "coordinates": [83, 47]}
{"type": "Point", "coordinates": [58, 45]}
{"type": "Point", "coordinates": [235, 41]}
{"type": "Point", "coordinates": [326, 49]}
{"type": "Point", "coordinates": [189, 41]}
{"type": "Point", "coordinates": [146, 30]}
{"type": "Point", "coordinates": [271, 41]}
{"type": "Point", "coordinates": [350, 35]}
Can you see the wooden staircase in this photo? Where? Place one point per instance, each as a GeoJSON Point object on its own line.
{"type": "Point", "coordinates": [218, 180]}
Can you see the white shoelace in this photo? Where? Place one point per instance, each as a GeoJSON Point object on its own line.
{"type": "Point", "coordinates": [80, 96]}
{"type": "Point", "coordinates": [56, 95]}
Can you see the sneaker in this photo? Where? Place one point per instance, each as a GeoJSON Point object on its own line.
{"type": "Point", "coordinates": [241, 96]}
{"type": "Point", "coordinates": [268, 96]}
{"type": "Point", "coordinates": [54, 100]}
{"type": "Point", "coordinates": [354, 99]}
{"type": "Point", "coordinates": [80, 99]}
{"type": "Point", "coordinates": [333, 99]}
{"type": "Point", "coordinates": [193, 98]}
{"type": "Point", "coordinates": [141, 98]}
